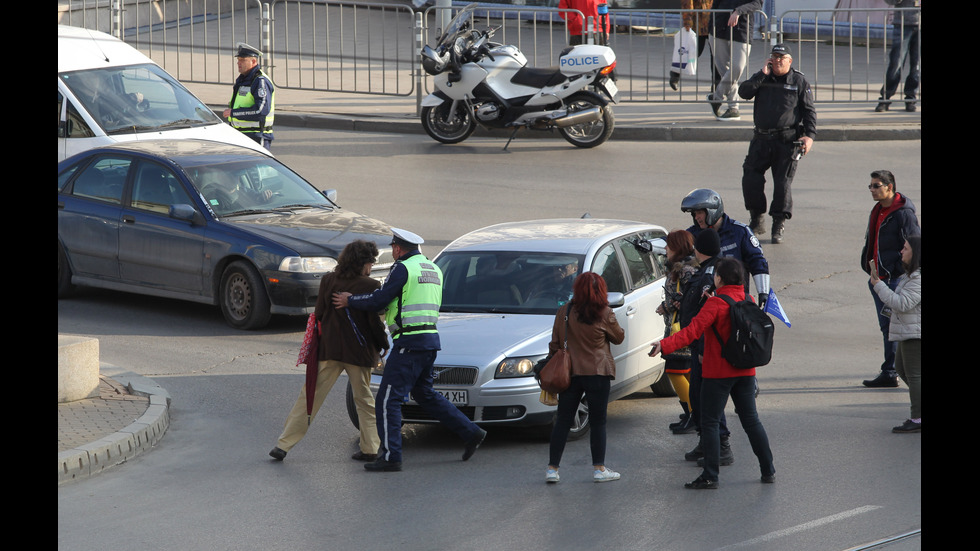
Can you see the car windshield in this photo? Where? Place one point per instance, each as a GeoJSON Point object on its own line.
{"type": "Point", "coordinates": [252, 186]}
{"type": "Point", "coordinates": [506, 281]}
{"type": "Point", "coordinates": [137, 98]}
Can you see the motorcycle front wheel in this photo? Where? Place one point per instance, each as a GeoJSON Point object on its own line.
{"type": "Point", "coordinates": [447, 127]}
{"type": "Point", "coordinates": [589, 134]}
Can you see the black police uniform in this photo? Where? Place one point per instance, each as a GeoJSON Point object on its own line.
{"type": "Point", "coordinates": [783, 113]}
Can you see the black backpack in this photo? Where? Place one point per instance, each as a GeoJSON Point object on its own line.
{"type": "Point", "coordinates": [750, 342]}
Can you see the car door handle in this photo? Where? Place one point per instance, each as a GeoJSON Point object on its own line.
{"type": "Point", "coordinates": [128, 219]}
{"type": "Point", "coordinates": [631, 310]}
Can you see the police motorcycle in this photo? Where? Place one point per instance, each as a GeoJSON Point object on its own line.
{"type": "Point", "coordinates": [477, 81]}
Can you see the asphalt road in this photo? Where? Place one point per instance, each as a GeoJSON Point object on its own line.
{"type": "Point", "coordinates": [843, 478]}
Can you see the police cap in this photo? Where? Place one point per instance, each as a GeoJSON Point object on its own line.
{"type": "Point", "coordinates": [244, 50]}
{"type": "Point", "coordinates": [405, 238]}
{"type": "Point", "coordinates": [781, 50]}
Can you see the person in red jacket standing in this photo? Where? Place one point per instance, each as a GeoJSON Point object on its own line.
{"type": "Point", "coordinates": [578, 25]}
{"type": "Point", "coordinates": [720, 380]}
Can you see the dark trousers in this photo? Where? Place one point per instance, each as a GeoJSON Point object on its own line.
{"type": "Point", "coordinates": [596, 391]}
{"type": "Point", "coordinates": [884, 322]}
{"type": "Point", "coordinates": [714, 395]}
{"type": "Point", "coordinates": [411, 371]}
{"type": "Point", "coordinates": [694, 392]}
{"type": "Point", "coordinates": [905, 44]}
{"type": "Point", "coordinates": [765, 153]}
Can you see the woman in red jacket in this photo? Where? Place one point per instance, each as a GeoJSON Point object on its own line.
{"type": "Point", "coordinates": [720, 379]}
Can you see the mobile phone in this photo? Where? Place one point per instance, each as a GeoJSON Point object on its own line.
{"type": "Point", "coordinates": [873, 266]}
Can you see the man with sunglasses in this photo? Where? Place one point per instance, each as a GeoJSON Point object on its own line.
{"type": "Point", "coordinates": [892, 221]}
{"type": "Point", "coordinates": [785, 126]}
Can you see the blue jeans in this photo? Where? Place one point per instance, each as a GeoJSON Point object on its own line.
{"type": "Point", "coordinates": [596, 390]}
{"type": "Point", "coordinates": [884, 322]}
{"type": "Point", "coordinates": [905, 43]}
{"type": "Point", "coordinates": [411, 371]}
{"type": "Point", "coordinates": [714, 397]}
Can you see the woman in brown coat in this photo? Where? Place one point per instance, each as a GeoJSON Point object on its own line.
{"type": "Point", "coordinates": [592, 326]}
{"type": "Point", "coordinates": [350, 340]}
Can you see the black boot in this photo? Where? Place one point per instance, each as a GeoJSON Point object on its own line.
{"type": "Point", "coordinates": [727, 457]}
{"type": "Point", "coordinates": [758, 223]}
{"type": "Point", "coordinates": [777, 229]}
{"type": "Point", "coordinates": [686, 426]}
{"type": "Point", "coordinates": [684, 417]}
{"type": "Point", "coordinates": [695, 454]}
{"type": "Point", "coordinates": [674, 79]}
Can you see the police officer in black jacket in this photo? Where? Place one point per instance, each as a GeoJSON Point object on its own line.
{"type": "Point", "coordinates": [785, 126]}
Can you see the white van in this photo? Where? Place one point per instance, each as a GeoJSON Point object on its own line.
{"type": "Point", "coordinates": [110, 92]}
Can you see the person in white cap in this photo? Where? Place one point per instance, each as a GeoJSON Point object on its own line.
{"type": "Point", "coordinates": [252, 108]}
{"type": "Point", "coordinates": [410, 297]}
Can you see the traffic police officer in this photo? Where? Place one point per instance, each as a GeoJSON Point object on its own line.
{"type": "Point", "coordinates": [783, 114]}
{"type": "Point", "coordinates": [253, 104]}
{"type": "Point", "coordinates": [410, 297]}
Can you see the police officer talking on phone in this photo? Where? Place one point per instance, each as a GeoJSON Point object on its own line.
{"type": "Point", "coordinates": [785, 126]}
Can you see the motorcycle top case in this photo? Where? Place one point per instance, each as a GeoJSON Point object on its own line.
{"type": "Point", "coordinates": [585, 58]}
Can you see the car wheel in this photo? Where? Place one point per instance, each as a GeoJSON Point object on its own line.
{"type": "Point", "coordinates": [580, 423]}
{"type": "Point", "coordinates": [663, 387]}
{"type": "Point", "coordinates": [352, 407]}
{"type": "Point", "coordinates": [244, 302]}
{"type": "Point", "coordinates": [65, 287]}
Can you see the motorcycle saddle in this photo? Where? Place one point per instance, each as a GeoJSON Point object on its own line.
{"type": "Point", "coordinates": [538, 78]}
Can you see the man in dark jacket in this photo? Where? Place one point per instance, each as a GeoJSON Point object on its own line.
{"type": "Point", "coordinates": [252, 107]}
{"type": "Point", "coordinates": [905, 44]}
{"type": "Point", "coordinates": [730, 43]}
{"type": "Point", "coordinates": [783, 113]}
{"type": "Point", "coordinates": [891, 222]}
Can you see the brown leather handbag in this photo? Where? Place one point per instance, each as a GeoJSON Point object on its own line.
{"type": "Point", "coordinates": [556, 375]}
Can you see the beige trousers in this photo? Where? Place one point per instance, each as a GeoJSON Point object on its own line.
{"type": "Point", "coordinates": [328, 371]}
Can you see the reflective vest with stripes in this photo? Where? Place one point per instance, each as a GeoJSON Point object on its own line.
{"type": "Point", "coordinates": [243, 100]}
{"type": "Point", "coordinates": [416, 309]}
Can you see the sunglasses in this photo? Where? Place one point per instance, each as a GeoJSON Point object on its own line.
{"type": "Point", "coordinates": [876, 186]}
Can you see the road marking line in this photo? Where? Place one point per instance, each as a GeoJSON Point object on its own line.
{"type": "Point", "coordinates": [799, 528]}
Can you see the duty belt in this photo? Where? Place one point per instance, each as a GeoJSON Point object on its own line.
{"type": "Point", "coordinates": [772, 131]}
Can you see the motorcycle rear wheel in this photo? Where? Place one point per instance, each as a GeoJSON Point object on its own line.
{"type": "Point", "coordinates": [445, 127]}
{"type": "Point", "coordinates": [588, 134]}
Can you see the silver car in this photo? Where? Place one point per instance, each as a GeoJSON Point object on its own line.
{"type": "Point", "coordinates": [502, 286]}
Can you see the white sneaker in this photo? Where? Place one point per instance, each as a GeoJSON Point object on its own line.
{"type": "Point", "coordinates": [605, 475]}
{"type": "Point", "coordinates": [551, 476]}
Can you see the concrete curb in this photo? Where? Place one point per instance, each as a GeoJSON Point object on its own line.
{"type": "Point", "coordinates": [119, 447]}
{"type": "Point", "coordinates": [666, 133]}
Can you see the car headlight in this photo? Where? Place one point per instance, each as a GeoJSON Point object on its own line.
{"type": "Point", "coordinates": [307, 264]}
{"type": "Point", "coordinates": [517, 367]}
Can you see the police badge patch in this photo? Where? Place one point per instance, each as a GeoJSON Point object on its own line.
{"type": "Point", "coordinates": [755, 241]}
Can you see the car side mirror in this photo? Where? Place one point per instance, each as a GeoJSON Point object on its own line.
{"type": "Point", "coordinates": [616, 299]}
{"type": "Point", "coordinates": [659, 245]}
{"type": "Point", "coordinates": [330, 194]}
{"type": "Point", "coordinates": [187, 213]}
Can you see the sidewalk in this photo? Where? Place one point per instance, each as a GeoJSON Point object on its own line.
{"type": "Point", "coordinates": [131, 414]}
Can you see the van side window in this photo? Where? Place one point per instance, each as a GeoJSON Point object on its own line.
{"type": "Point", "coordinates": [76, 127]}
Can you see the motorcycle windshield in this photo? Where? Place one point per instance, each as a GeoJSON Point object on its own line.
{"type": "Point", "coordinates": [459, 23]}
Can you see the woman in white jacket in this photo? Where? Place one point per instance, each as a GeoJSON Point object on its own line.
{"type": "Point", "coordinates": [905, 303]}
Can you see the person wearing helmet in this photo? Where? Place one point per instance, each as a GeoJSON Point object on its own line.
{"type": "Point", "coordinates": [737, 240]}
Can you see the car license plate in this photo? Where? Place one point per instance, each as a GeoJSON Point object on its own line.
{"type": "Point", "coordinates": [455, 397]}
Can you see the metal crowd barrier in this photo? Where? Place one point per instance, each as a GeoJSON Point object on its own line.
{"type": "Point", "coordinates": [372, 48]}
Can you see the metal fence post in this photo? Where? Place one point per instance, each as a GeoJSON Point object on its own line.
{"type": "Point", "coordinates": [116, 25]}
{"type": "Point", "coordinates": [419, 44]}
{"type": "Point", "coordinates": [267, 37]}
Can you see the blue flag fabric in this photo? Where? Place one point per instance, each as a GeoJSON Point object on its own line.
{"type": "Point", "coordinates": [773, 307]}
